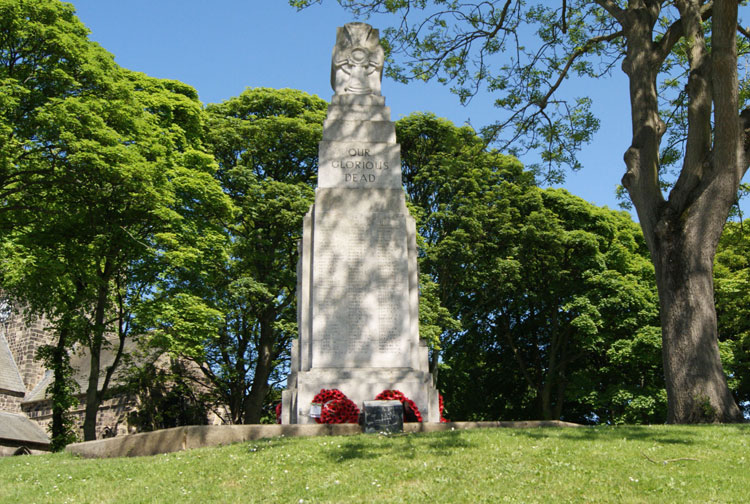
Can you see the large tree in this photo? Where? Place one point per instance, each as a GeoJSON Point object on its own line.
{"type": "Point", "coordinates": [49, 71]}
{"type": "Point", "coordinates": [681, 53]}
{"type": "Point", "coordinates": [103, 177]}
{"type": "Point", "coordinates": [266, 144]}
{"type": "Point", "coordinates": [555, 296]}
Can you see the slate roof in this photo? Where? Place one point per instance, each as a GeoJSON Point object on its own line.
{"type": "Point", "coordinates": [10, 378]}
{"type": "Point", "coordinates": [18, 428]}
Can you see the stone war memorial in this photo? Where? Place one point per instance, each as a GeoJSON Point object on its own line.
{"type": "Point", "coordinates": [357, 290]}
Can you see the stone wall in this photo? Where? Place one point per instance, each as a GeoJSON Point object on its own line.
{"type": "Point", "coordinates": [40, 412]}
{"type": "Point", "coordinates": [24, 340]}
{"type": "Point", "coordinates": [10, 401]}
{"type": "Point", "coordinates": [111, 419]}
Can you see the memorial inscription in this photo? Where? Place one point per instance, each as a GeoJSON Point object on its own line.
{"type": "Point", "coordinates": [383, 416]}
{"type": "Point", "coordinates": [355, 164]}
{"type": "Point", "coordinates": [360, 294]}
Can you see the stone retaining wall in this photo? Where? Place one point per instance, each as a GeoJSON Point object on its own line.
{"type": "Point", "coordinates": [199, 436]}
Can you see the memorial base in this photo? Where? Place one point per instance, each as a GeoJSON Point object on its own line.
{"type": "Point", "coordinates": [359, 385]}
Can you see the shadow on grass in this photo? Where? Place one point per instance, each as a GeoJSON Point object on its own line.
{"type": "Point", "coordinates": [444, 444]}
{"type": "Point", "coordinates": [675, 435]}
{"type": "Point", "coordinates": [265, 444]}
{"type": "Point", "coordinates": [372, 446]}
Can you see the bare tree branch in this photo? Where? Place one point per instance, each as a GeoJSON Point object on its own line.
{"type": "Point", "coordinates": [611, 7]}
{"type": "Point", "coordinates": [573, 57]}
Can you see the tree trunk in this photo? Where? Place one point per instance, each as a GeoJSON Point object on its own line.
{"type": "Point", "coordinates": [263, 368]}
{"type": "Point", "coordinates": [93, 394]}
{"type": "Point", "coordinates": [553, 391]}
{"type": "Point", "coordinates": [562, 382]}
{"type": "Point", "coordinates": [546, 400]}
{"type": "Point", "coordinates": [93, 399]}
{"type": "Point", "coordinates": [696, 385]}
{"type": "Point", "coordinates": [685, 240]}
{"type": "Point", "coordinates": [59, 390]}
{"type": "Point", "coordinates": [549, 385]}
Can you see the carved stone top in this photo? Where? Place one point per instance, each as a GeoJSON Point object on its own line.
{"type": "Point", "coordinates": [357, 61]}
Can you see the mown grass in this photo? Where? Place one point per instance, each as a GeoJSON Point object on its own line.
{"type": "Point", "coordinates": [602, 464]}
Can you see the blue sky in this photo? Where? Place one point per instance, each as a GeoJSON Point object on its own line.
{"type": "Point", "coordinates": [223, 46]}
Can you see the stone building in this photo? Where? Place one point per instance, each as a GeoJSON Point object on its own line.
{"type": "Point", "coordinates": [113, 413]}
{"type": "Point", "coordinates": [25, 409]}
{"type": "Point", "coordinates": [20, 374]}
{"type": "Point", "coordinates": [24, 381]}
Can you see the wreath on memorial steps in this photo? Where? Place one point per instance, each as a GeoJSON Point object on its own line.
{"type": "Point", "coordinates": [335, 407]}
{"type": "Point", "coordinates": [334, 412]}
{"type": "Point", "coordinates": [411, 412]}
{"type": "Point", "coordinates": [440, 400]}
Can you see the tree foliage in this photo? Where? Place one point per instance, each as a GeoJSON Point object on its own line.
{"type": "Point", "coordinates": [166, 396]}
{"type": "Point", "coordinates": [266, 143]}
{"type": "Point", "coordinates": [732, 281]}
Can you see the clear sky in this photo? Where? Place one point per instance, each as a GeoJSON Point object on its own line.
{"type": "Point", "coordinates": [220, 47]}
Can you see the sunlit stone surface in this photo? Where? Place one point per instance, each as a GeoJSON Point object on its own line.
{"type": "Point", "coordinates": [357, 275]}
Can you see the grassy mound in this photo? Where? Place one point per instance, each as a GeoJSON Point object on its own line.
{"type": "Point", "coordinates": [601, 464]}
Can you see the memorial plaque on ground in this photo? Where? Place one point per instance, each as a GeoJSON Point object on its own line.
{"type": "Point", "coordinates": [383, 416]}
{"type": "Point", "coordinates": [357, 276]}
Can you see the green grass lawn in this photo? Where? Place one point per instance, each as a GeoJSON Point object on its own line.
{"type": "Point", "coordinates": [602, 464]}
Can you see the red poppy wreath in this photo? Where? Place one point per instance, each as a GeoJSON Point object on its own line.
{"type": "Point", "coordinates": [335, 407]}
{"type": "Point", "coordinates": [411, 412]}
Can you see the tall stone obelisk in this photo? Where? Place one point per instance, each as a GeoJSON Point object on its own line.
{"type": "Point", "coordinates": [357, 276]}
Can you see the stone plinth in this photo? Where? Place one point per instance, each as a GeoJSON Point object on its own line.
{"type": "Point", "coordinates": [357, 284]}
